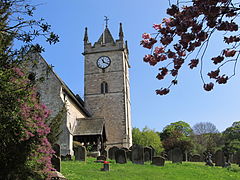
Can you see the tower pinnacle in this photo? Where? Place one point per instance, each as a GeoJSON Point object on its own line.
{"type": "Point", "coordinates": [121, 32]}
{"type": "Point", "coordinates": [85, 36]}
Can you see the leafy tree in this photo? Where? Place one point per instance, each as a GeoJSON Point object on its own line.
{"type": "Point", "coordinates": [232, 137]}
{"type": "Point", "coordinates": [25, 150]}
{"type": "Point", "coordinates": [206, 137]}
{"type": "Point", "coordinates": [147, 137]}
{"type": "Point", "coordinates": [184, 38]}
{"type": "Point", "coordinates": [177, 134]}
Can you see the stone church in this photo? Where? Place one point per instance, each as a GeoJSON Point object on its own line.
{"type": "Point", "coordinates": [103, 118]}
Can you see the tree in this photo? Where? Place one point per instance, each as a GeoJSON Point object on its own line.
{"type": "Point", "coordinates": [186, 35]}
{"type": "Point", "coordinates": [25, 150]}
{"type": "Point", "coordinates": [177, 134]}
{"type": "Point", "coordinates": [232, 136]}
{"type": "Point", "coordinates": [147, 137]}
{"type": "Point", "coordinates": [204, 128]}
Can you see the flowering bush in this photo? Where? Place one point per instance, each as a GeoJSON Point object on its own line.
{"type": "Point", "coordinates": [190, 28]}
{"type": "Point", "coordinates": [25, 149]}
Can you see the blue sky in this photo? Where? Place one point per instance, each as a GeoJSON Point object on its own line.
{"type": "Point", "coordinates": [187, 101]}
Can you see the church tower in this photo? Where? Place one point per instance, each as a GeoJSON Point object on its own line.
{"type": "Point", "coordinates": [106, 85]}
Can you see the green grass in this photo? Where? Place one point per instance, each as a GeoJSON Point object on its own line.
{"type": "Point", "coordinates": [75, 170]}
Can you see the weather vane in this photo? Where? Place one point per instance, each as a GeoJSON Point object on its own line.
{"type": "Point", "coordinates": [106, 19]}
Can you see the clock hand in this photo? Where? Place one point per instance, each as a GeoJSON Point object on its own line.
{"type": "Point", "coordinates": [104, 62]}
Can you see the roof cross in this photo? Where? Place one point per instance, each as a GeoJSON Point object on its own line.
{"type": "Point", "coordinates": [106, 19]}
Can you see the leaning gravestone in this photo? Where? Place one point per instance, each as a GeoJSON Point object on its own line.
{"type": "Point", "coordinates": [196, 158]}
{"type": "Point", "coordinates": [80, 153]}
{"type": "Point", "coordinates": [158, 161]}
{"type": "Point", "coordinates": [111, 152]}
{"type": "Point", "coordinates": [177, 155]}
{"type": "Point", "coordinates": [219, 158]}
{"type": "Point", "coordinates": [120, 156]}
{"type": "Point", "coordinates": [137, 154]}
{"type": "Point", "coordinates": [147, 154]}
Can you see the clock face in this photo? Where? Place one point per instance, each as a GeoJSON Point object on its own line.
{"type": "Point", "coordinates": [103, 62]}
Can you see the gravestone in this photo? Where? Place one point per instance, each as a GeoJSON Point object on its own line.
{"type": "Point", "coordinates": [80, 153]}
{"type": "Point", "coordinates": [129, 155]}
{"type": "Point", "coordinates": [169, 155]}
{"type": "Point", "coordinates": [137, 154]}
{"type": "Point", "coordinates": [177, 155]}
{"type": "Point", "coordinates": [153, 151]}
{"type": "Point", "coordinates": [158, 161]}
{"type": "Point", "coordinates": [120, 156]}
{"type": "Point", "coordinates": [196, 158]}
{"type": "Point", "coordinates": [103, 158]}
{"type": "Point", "coordinates": [56, 162]}
{"type": "Point", "coordinates": [111, 152]}
{"type": "Point", "coordinates": [57, 149]}
{"type": "Point", "coordinates": [147, 154]}
{"type": "Point", "coordinates": [219, 158]}
{"type": "Point", "coordinates": [56, 158]}
{"type": "Point", "coordinates": [104, 153]}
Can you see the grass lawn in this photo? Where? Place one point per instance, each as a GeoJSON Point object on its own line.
{"type": "Point", "coordinates": [75, 170]}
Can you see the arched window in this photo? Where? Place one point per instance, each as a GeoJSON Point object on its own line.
{"type": "Point", "coordinates": [104, 87]}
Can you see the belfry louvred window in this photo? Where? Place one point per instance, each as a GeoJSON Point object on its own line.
{"type": "Point", "coordinates": [104, 87]}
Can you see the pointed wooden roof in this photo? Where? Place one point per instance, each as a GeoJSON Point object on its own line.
{"type": "Point", "coordinates": [89, 126]}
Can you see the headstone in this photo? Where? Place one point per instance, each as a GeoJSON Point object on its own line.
{"type": "Point", "coordinates": [111, 152]}
{"type": "Point", "coordinates": [219, 158]}
{"type": "Point", "coordinates": [80, 153]}
{"type": "Point", "coordinates": [147, 154]}
{"type": "Point", "coordinates": [196, 158]}
{"type": "Point", "coordinates": [129, 155]}
{"type": "Point", "coordinates": [101, 158]}
{"type": "Point", "coordinates": [120, 156]}
{"type": "Point", "coordinates": [56, 162]}
{"type": "Point", "coordinates": [158, 161]}
{"type": "Point", "coordinates": [57, 149]}
{"type": "Point", "coordinates": [169, 155]}
{"type": "Point", "coordinates": [153, 151]}
{"type": "Point", "coordinates": [177, 155]}
{"type": "Point", "coordinates": [137, 154]}
{"type": "Point", "coordinates": [104, 153]}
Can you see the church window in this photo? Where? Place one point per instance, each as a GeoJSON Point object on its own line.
{"type": "Point", "coordinates": [104, 87]}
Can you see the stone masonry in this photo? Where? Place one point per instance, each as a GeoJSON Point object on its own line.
{"type": "Point", "coordinates": [113, 106]}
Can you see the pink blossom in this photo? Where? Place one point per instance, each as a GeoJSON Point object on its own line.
{"type": "Point", "coordinates": [146, 36]}
{"type": "Point", "coordinates": [159, 50]}
{"type": "Point", "coordinates": [229, 53]}
{"type": "Point", "coordinates": [157, 26]}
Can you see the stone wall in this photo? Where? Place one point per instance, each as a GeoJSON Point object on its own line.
{"type": "Point", "coordinates": [113, 106]}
